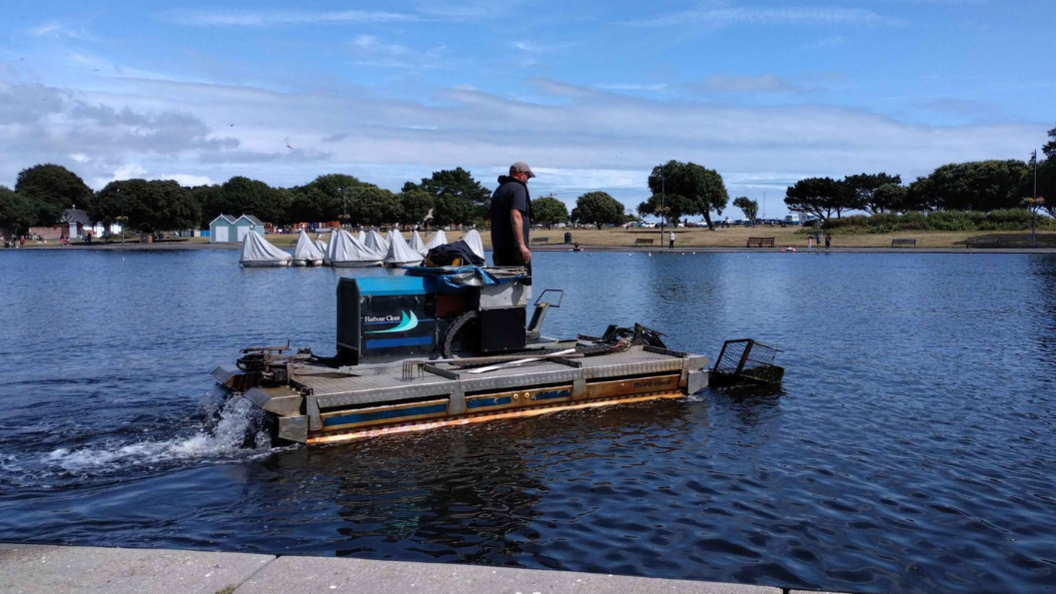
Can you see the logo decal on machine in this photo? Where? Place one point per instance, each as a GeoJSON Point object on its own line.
{"type": "Point", "coordinates": [408, 321]}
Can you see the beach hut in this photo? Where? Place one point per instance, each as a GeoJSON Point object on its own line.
{"type": "Point", "coordinates": [220, 230]}
{"type": "Point", "coordinates": [439, 239]}
{"type": "Point", "coordinates": [345, 251]}
{"type": "Point", "coordinates": [416, 243]}
{"type": "Point", "coordinates": [258, 253]}
{"type": "Point", "coordinates": [474, 242]}
{"type": "Point", "coordinates": [246, 223]}
{"type": "Point", "coordinates": [306, 253]}
{"type": "Point", "coordinates": [400, 253]}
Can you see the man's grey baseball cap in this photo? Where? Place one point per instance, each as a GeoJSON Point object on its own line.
{"type": "Point", "coordinates": [522, 167]}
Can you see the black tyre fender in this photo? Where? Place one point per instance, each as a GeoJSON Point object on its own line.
{"type": "Point", "coordinates": [447, 344]}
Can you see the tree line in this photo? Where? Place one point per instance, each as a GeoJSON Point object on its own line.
{"type": "Point", "coordinates": [978, 186]}
{"type": "Point", "coordinates": [447, 197]}
{"type": "Point", "coordinates": [42, 192]}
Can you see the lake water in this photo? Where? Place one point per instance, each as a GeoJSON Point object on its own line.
{"type": "Point", "coordinates": [912, 449]}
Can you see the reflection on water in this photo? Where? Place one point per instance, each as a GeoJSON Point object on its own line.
{"type": "Point", "coordinates": [911, 447]}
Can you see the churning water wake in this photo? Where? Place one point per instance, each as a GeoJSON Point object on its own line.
{"type": "Point", "coordinates": [223, 429]}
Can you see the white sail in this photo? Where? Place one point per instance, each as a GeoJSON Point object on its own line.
{"type": "Point", "coordinates": [306, 253]}
{"type": "Point", "coordinates": [348, 252]}
{"type": "Point", "coordinates": [439, 239]}
{"type": "Point", "coordinates": [400, 253]}
{"type": "Point", "coordinates": [417, 244]}
{"type": "Point", "coordinates": [257, 252]}
{"type": "Point", "coordinates": [474, 242]}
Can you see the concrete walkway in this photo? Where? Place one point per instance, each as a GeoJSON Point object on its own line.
{"type": "Point", "coordinates": [33, 569]}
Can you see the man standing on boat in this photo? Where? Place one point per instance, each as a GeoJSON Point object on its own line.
{"type": "Point", "coordinates": [511, 214]}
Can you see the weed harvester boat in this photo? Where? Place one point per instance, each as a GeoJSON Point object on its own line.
{"type": "Point", "coordinates": [451, 346]}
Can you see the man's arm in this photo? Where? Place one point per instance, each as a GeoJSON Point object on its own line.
{"type": "Point", "coordinates": [516, 219]}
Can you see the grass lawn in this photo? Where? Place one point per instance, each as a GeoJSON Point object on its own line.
{"type": "Point", "coordinates": [734, 237]}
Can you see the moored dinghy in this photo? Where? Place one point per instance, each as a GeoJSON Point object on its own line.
{"type": "Point", "coordinates": [417, 244]}
{"type": "Point", "coordinates": [377, 244]}
{"type": "Point", "coordinates": [362, 237]}
{"type": "Point", "coordinates": [258, 253]}
{"type": "Point", "coordinates": [346, 251]}
{"type": "Point", "coordinates": [474, 242]}
{"type": "Point", "coordinates": [306, 253]}
{"type": "Point", "coordinates": [400, 253]}
{"type": "Point", "coordinates": [437, 240]}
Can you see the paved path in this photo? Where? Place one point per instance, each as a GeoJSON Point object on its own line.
{"type": "Point", "coordinates": [33, 569]}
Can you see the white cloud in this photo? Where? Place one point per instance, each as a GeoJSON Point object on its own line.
{"type": "Point", "coordinates": [535, 47]}
{"type": "Point", "coordinates": [272, 18]}
{"type": "Point", "coordinates": [803, 16]}
{"type": "Point", "coordinates": [591, 140]}
{"type": "Point", "coordinates": [61, 30]}
{"type": "Point", "coordinates": [371, 51]}
{"type": "Point", "coordinates": [187, 180]}
{"type": "Point", "coordinates": [766, 83]}
{"type": "Point", "coordinates": [633, 87]}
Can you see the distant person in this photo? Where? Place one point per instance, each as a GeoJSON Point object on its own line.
{"type": "Point", "coordinates": [22, 241]}
{"type": "Point", "coordinates": [828, 240]}
{"type": "Point", "coordinates": [671, 241]}
{"type": "Point", "coordinates": [511, 215]}
{"type": "Point", "coordinates": [810, 242]}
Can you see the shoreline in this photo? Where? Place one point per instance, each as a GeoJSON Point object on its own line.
{"type": "Point", "coordinates": [181, 246]}
{"type": "Point", "coordinates": [31, 568]}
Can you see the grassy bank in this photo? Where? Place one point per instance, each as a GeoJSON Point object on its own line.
{"type": "Point", "coordinates": [735, 237]}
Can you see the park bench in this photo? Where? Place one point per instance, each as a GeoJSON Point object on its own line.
{"type": "Point", "coordinates": [903, 243]}
{"type": "Point", "coordinates": [540, 240]}
{"type": "Point", "coordinates": [642, 241]}
{"type": "Point", "coordinates": [760, 242]}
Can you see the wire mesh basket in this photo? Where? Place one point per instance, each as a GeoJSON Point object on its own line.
{"type": "Point", "coordinates": [745, 361]}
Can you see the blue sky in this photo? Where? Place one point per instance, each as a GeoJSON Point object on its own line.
{"type": "Point", "coordinates": [592, 95]}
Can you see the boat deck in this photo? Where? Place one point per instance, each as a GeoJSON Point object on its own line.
{"type": "Point", "coordinates": [386, 382]}
{"type": "Point", "coordinates": [322, 400]}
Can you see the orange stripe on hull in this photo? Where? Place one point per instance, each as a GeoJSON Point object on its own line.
{"type": "Point", "coordinates": [467, 419]}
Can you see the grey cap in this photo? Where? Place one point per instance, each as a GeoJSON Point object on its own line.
{"type": "Point", "coordinates": [522, 167]}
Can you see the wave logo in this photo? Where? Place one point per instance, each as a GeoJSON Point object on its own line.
{"type": "Point", "coordinates": [408, 321]}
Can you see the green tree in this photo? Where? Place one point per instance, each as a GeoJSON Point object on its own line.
{"type": "Point", "coordinates": [689, 189]}
{"type": "Point", "coordinates": [819, 196]}
{"type": "Point", "coordinates": [18, 212]}
{"type": "Point", "coordinates": [548, 210]}
{"type": "Point", "coordinates": [598, 208]}
{"type": "Point", "coordinates": [241, 195]}
{"type": "Point", "coordinates": [895, 197]}
{"type": "Point", "coordinates": [415, 206]}
{"type": "Point", "coordinates": [979, 185]}
{"type": "Point", "coordinates": [459, 198]}
{"type": "Point", "coordinates": [749, 207]}
{"type": "Point", "coordinates": [862, 189]}
{"type": "Point", "coordinates": [1050, 147]}
{"type": "Point", "coordinates": [374, 206]}
{"type": "Point", "coordinates": [1047, 184]}
{"type": "Point", "coordinates": [54, 185]}
{"type": "Point", "coordinates": [149, 205]}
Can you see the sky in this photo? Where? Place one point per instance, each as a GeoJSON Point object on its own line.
{"type": "Point", "coordinates": [591, 94]}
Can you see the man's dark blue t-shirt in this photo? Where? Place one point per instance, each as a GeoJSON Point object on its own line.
{"type": "Point", "coordinates": [511, 195]}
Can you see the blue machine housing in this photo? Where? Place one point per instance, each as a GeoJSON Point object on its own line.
{"type": "Point", "coordinates": [387, 318]}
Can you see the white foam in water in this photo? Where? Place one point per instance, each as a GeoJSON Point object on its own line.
{"type": "Point", "coordinates": [237, 420]}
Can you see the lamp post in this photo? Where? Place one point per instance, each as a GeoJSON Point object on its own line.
{"type": "Point", "coordinates": [123, 220]}
{"type": "Point", "coordinates": [663, 212]}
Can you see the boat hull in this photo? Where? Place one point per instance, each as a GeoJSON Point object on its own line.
{"type": "Point", "coordinates": [324, 405]}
